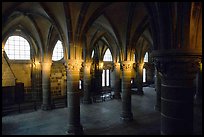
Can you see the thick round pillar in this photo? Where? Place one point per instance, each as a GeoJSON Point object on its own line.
{"type": "Point", "coordinates": [117, 83]}
{"type": "Point", "coordinates": [126, 68]}
{"type": "Point", "coordinates": [158, 91]}
{"type": "Point", "coordinates": [46, 102]}
{"type": "Point", "coordinates": [177, 88]}
{"type": "Point", "coordinates": [87, 83]}
{"type": "Point", "coordinates": [73, 97]}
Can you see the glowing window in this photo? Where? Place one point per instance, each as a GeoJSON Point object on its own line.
{"type": "Point", "coordinates": [16, 47]}
{"type": "Point", "coordinates": [146, 57]}
{"type": "Point", "coordinates": [107, 56]}
{"type": "Point", "coordinates": [92, 54]}
{"type": "Point", "coordinates": [106, 78]}
{"type": "Point", "coordinates": [103, 78]}
{"type": "Point", "coordinates": [58, 51]}
{"type": "Point", "coordinates": [144, 75]}
{"type": "Point", "coordinates": [79, 84]}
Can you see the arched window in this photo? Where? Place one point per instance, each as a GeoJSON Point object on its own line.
{"type": "Point", "coordinates": [146, 57]}
{"type": "Point", "coordinates": [107, 56]}
{"type": "Point", "coordinates": [58, 51]}
{"type": "Point", "coordinates": [17, 47]}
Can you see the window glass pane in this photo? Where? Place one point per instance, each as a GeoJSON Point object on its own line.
{"type": "Point", "coordinates": [79, 84]}
{"type": "Point", "coordinates": [107, 77]}
{"type": "Point", "coordinates": [92, 54]}
{"type": "Point", "coordinates": [146, 57]}
{"type": "Point", "coordinates": [58, 51]}
{"type": "Point", "coordinates": [144, 75]}
{"type": "Point", "coordinates": [107, 56]}
{"type": "Point", "coordinates": [103, 78]}
{"type": "Point", "coordinates": [11, 56]}
{"type": "Point", "coordinates": [15, 48]}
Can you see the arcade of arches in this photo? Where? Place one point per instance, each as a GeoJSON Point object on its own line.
{"type": "Point", "coordinates": [78, 51]}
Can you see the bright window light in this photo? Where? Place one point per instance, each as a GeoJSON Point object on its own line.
{"type": "Point", "coordinates": [103, 78]}
{"type": "Point", "coordinates": [107, 77]}
{"type": "Point", "coordinates": [58, 51]}
{"type": "Point", "coordinates": [92, 54]}
{"type": "Point", "coordinates": [17, 48]}
{"type": "Point", "coordinates": [107, 56]}
{"type": "Point", "coordinates": [146, 57]}
{"type": "Point", "coordinates": [144, 75]}
{"type": "Point", "coordinates": [79, 84]}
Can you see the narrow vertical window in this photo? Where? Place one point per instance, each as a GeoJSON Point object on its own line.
{"type": "Point", "coordinates": [79, 84]}
{"type": "Point", "coordinates": [144, 75]}
{"type": "Point", "coordinates": [103, 78]}
{"type": "Point", "coordinates": [92, 54]}
{"type": "Point", "coordinates": [107, 77]}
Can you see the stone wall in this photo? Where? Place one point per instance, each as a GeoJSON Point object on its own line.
{"type": "Point", "coordinates": [58, 79]}
{"type": "Point", "coordinates": [8, 78]}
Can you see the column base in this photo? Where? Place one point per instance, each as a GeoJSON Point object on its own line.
{"type": "Point", "coordinates": [87, 101]}
{"type": "Point", "coordinates": [75, 130]}
{"type": "Point", "coordinates": [126, 116]}
{"type": "Point", "coordinates": [46, 107]}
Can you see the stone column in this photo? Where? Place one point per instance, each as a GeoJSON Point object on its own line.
{"type": "Point", "coordinates": [87, 83]}
{"type": "Point", "coordinates": [177, 88]}
{"type": "Point", "coordinates": [73, 97]}
{"type": "Point", "coordinates": [46, 70]}
{"type": "Point", "coordinates": [98, 78]}
{"type": "Point", "coordinates": [139, 78]}
{"type": "Point", "coordinates": [117, 83]}
{"type": "Point", "coordinates": [36, 81]}
{"type": "Point", "coordinates": [126, 68]}
{"type": "Point", "coordinates": [158, 90]}
{"type": "Point", "coordinates": [198, 95]}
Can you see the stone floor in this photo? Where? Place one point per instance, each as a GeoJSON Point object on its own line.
{"type": "Point", "coordinates": [101, 118]}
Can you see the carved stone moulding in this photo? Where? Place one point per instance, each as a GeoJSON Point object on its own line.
{"type": "Point", "coordinates": [74, 65]}
{"type": "Point", "coordinates": [126, 65]}
{"type": "Point", "coordinates": [177, 65]}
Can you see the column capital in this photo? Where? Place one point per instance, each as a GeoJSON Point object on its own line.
{"type": "Point", "coordinates": [116, 65]}
{"type": "Point", "coordinates": [74, 65]}
{"type": "Point", "coordinates": [177, 66]}
{"type": "Point", "coordinates": [126, 65]}
{"type": "Point", "coordinates": [109, 66]}
{"type": "Point", "coordinates": [86, 66]}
